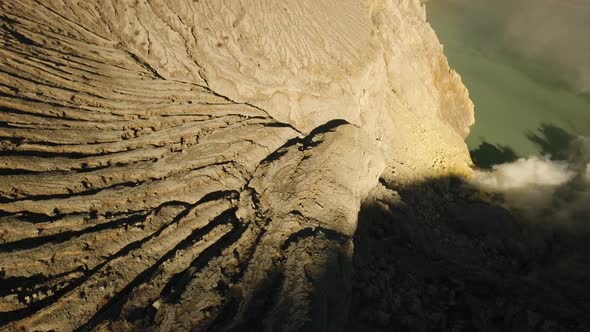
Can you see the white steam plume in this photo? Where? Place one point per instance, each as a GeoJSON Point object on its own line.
{"type": "Point", "coordinates": [544, 190]}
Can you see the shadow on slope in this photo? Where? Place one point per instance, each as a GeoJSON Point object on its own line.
{"type": "Point", "coordinates": [439, 256]}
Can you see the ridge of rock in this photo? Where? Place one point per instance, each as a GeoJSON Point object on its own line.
{"type": "Point", "coordinates": [182, 165]}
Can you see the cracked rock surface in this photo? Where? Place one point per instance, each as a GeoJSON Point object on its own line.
{"type": "Point", "coordinates": [193, 165]}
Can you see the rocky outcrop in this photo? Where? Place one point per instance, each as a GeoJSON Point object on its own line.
{"type": "Point", "coordinates": [192, 165]}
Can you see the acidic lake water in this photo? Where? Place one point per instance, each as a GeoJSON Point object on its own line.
{"type": "Point", "coordinates": [526, 64]}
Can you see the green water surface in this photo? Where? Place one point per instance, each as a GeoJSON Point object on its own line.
{"type": "Point", "coordinates": [522, 105]}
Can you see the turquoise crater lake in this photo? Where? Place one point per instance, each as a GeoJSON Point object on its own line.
{"type": "Point", "coordinates": [526, 64]}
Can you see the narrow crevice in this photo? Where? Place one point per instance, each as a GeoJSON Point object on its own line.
{"type": "Point", "coordinates": [10, 284]}
{"type": "Point", "coordinates": [4, 109]}
{"type": "Point", "coordinates": [16, 141]}
{"type": "Point", "coordinates": [326, 127]}
{"type": "Point", "coordinates": [11, 316]}
{"type": "Point", "coordinates": [329, 234]}
{"type": "Point", "coordinates": [18, 171]}
{"type": "Point", "coordinates": [78, 194]}
{"type": "Point", "coordinates": [282, 125]}
{"type": "Point", "coordinates": [114, 306]}
{"type": "Point", "coordinates": [281, 151]}
{"type": "Point", "coordinates": [144, 64]}
{"type": "Point", "coordinates": [229, 309]}
{"type": "Point", "coordinates": [35, 218]}
{"type": "Point", "coordinates": [20, 37]}
{"type": "Point", "coordinates": [260, 304]}
{"type": "Point", "coordinates": [46, 154]}
{"type": "Point", "coordinates": [176, 286]}
{"type": "Point", "coordinates": [35, 242]}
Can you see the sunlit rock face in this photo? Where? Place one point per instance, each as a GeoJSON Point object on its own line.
{"type": "Point", "coordinates": [200, 165]}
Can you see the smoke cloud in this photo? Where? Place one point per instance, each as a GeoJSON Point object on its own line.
{"type": "Point", "coordinates": [544, 190]}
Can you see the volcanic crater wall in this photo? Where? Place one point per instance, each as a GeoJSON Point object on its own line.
{"type": "Point", "coordinates": [182, 165]}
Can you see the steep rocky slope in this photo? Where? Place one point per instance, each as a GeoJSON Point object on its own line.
{"type": "Point", "coordinates": [192, 165]}
{"type": "Point", "coordinates": [436, 256]}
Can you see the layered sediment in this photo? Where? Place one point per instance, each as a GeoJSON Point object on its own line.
{"type": "Point", "coordinates": [193, 165]}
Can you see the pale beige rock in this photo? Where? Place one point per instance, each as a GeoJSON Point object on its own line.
{"type": "Point", "coordinates": [192, 165]}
